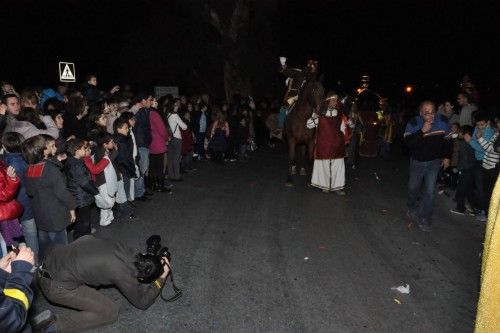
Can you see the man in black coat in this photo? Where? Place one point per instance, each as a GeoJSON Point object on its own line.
{"type": "Point", "coordinates": [69, 272]}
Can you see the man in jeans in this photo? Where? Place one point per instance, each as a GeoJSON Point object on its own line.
{"type": "Point", "coordinates": [429, 151]}
{"type": "Point", "coordinates": [142, 133]}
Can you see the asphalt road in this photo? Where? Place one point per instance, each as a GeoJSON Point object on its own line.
{"type": "Point", "coordinates": [255, 256]}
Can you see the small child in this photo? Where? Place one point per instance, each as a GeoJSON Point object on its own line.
{"type": "Point", "coordinates": [466, 166]}
{"type": "Point", "coordinates": [53, 205]}
{"type": "Point", "coordinates": [106, 181]}
{"type": "Point", "coordinates": [10, 209]}
{"type": "Point", "coordinates": [130, 189]}
{"type": "Point", "coordinates": [449, 177]}
{"type": "Point", "coordinates": [126, 166]}
{"type": "Point", "coordinates": [12, 144]}
{"type": "Point", "coordinates": [80, 185]}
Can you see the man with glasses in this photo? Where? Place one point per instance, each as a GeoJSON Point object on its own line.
{"type": "Point", "coordinates": [429, 151]}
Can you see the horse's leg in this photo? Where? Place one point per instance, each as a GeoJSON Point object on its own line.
{"type": "Point", "coordinates": [310, 154]}
{"type": "Point", "coordinates": [292, 148]}
{"type": "Point", "coordinates": [291, 161]}
{"type": "Point", "coordinates": [303, 160]}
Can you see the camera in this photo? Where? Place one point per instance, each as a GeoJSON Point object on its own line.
{"type": "Point", "coordinates": [154, 247]}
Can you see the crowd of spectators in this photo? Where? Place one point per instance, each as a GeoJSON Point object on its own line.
{"type": "Point", "coordinates": [458, 148]}
{"type": "Point", "coordinates": [84, 157]}
{"type": "Point", "coordinates": [74, 160]}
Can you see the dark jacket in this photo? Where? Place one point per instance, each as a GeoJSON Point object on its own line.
{"type": "Point", "coordinates": [17, 162]}
{"type": "Point", "coordinates": [98, 262]}
{"type": "Point", "coordinates": [51, 200]}
{"type": "Point", "coordinates": [431, 145]}
{"type": "Point", "coordinates": [142, 128]}
{"type": "Point", "coordinates": [91, 94]}
{"type": "Point", "coordinates": [125, 158]}
{"type": "Point", "coordinates": [196, 122]}
{"type": "Point", "coordinates": [94, 132]}
{"type": "Point", "coordinates": [3, 122]}
{"type": "Point", "coordinates": [73, 126]}
{"type": "Point", "coordinates": [14, 292]}
{"type": "Point", "coordinates": [80, 183]}
{"type": "Point", "coordinates": [466, 156]}
{"type": "Point", "coordinates": [242, 134]}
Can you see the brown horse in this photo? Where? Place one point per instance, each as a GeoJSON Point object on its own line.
{"type": "Point", "coordinates": [296, 130]}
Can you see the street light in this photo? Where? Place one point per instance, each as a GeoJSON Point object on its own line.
{"type": "Point", "coordinates": [408, 89]}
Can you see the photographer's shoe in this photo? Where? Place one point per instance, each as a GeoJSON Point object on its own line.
{"type": "Point", "coordinates": [42, 321]}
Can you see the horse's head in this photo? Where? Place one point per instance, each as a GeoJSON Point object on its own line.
{"type": "Point", "coordinates": [314, 94]}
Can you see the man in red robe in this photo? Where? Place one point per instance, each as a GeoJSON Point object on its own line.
{"type": "Point", "coordinates": [329, 169]}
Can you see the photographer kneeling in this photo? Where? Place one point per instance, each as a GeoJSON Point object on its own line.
{"type": "Point", "coordinates": [67, 271]}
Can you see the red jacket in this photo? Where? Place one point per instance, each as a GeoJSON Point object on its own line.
{"type": "Point", "coordinates": [95, 168]}
{"type": "Point", "coordinates": [9, 207]}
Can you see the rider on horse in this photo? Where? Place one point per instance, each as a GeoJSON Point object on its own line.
{"type": "Point", "coordinates": [297, 80]}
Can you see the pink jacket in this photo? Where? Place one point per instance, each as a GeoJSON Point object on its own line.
{"type": "Point", "coordinates": [159, 133]}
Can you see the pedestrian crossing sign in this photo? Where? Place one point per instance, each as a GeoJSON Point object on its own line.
{"type": "Point", "coordinates": [67, 72]}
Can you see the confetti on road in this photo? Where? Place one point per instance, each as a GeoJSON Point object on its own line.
{"type": "Point", "coordinates": [306, 258]}
{"type": "Point", "coordinates": [397, 301]}
{"type": "Point", "coordinates": [402, 289]}
{"type": "Point", "coordinates": [322, 247]}
{"type": "Point", "coordinates": [376, 176]}
{"type": "Point", "coordinates": [384, 211]}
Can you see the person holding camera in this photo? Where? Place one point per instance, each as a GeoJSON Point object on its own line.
{"type": "Point", "coordinates": [16, 295]}
{"type": "Point", "coordinates": [69, 272]}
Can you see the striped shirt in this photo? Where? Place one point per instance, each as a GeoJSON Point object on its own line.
{"type": "Point", "coordinates": [491, 157]}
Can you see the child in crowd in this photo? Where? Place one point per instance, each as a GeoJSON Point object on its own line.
{"type": "Point", "coordinates": [53, 205]}
{"type": "Point", "coordinates": [466, 166]}
{"type": "Point", "coordinates": [12, 146]}
{"type": "Point", "coordinates": [10, 209]}
{"type": "Point", "coordinates": [454, 136]}
{"type": "Point", "coordinates": [106, 181]}
{"type": "Point", "coordinates": [80, 185]}
{"type": "Point", "coordinates": [449, 177]}
{"type": "Point", "coordinates": [129, 190]}
{"type": "Point", "coordinates": [482, 130]}
{"type": "Point", "coordinates": [125, 164]}
{"type": "Point", "coordinates": [219, 135]}
{"type": "Point", "coordinates": [490, 161]}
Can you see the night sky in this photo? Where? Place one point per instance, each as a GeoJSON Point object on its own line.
{"type": "Point", "coordinates": [396, 42]}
